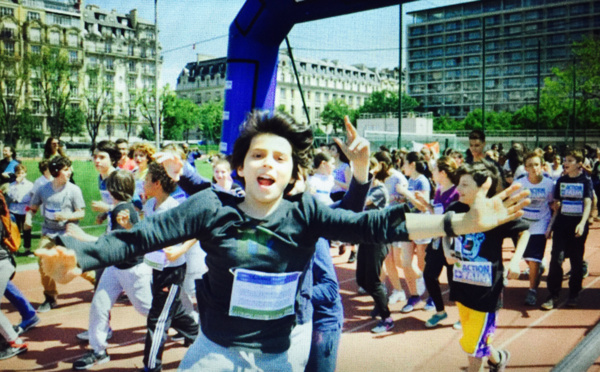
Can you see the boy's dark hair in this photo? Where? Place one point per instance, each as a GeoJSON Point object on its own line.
{"type": "Point", "coordinates": [576, 154]}
{"type": "Point", "coordinates": [121, 185]}
{"type": "Point", "coordinates": [111, 149]}
{"type": "Point", "coordinates": [477, 134]}
{"type": "Point", "coordinates": [57, 164]}
{"type": "Point", "coordinates": [158, 173]}
{"type": "Point", "coordinates": [43, 165]}
{"type": "Point", "coordinates": [20, 168]}
{"type": "Point", "coordinates": [120, 141]}
{"type": "Point", "coordinates": [319, 158]}
{"type": "Point", "coordinates": [299, 136]}
{"type": "Point", "coordinates": [480, 171]}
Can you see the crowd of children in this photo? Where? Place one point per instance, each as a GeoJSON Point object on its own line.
{"type": "Point", "coordinates": [255, 239]}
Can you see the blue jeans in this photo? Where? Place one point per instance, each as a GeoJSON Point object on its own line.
{"type": "Point", "coordinates": [323, 350]}
{"type": "Point", "coordinates": [14, 295]}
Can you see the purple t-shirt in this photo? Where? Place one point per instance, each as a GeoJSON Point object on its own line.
{"type": "Point", "coordinates": [442, 200]}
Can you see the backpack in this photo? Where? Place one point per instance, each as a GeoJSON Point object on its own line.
{"type": "Point", "coordinates": [11, 237]}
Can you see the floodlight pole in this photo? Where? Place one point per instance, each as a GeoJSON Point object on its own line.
{"type": "Point", "coordinates": [399, 141]}
{"type": "Point", "coordinates": [156, 95]}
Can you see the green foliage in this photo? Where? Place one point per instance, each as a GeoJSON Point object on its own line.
{"type": "Point", "coordinates": [27, 127]}
{"type": "Point", "coordinates": [281, 108]}
{"type": "Point", "coordinates": [446, 123]}
{"type": "Point", "coordinates": [179, 117]}
{"type": "Point", "coordinates": [387, 101]}
{"type": "Point", "coordinates": [147, 133]}
{"type": "Point", "coordinates": [211, 120]}
{"type": "Point", "coordinates": [74, 121]}
{"type": "Point", "coordinates": [333, 114]}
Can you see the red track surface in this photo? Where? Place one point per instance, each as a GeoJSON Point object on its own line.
{"type": "Point", "coordinates": [536, 339]}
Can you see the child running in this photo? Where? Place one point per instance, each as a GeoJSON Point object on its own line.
{"type": "Point", "coordinates": [444, 174]}
{"type": "Point", "coordinates": [132, 277]}
{"type": "Point", "coordinates": [573, 196]}
{"type": "Point", "coordinates": [538, 214]}
{"type": "Point", "coordinates": [478, 270]}
{"type": "Point", "coordinates": [259, 246]}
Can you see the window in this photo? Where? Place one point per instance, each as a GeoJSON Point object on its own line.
{"type": "Point", "coordinates": [494, 45]}
{"type": "Point", "coordinates": [131, 65]}
{"type": "Point", "coordinates": [72, 40]}
{"type": "Point", "coordinates": [452, 75]}
{"type": "Point", "coordinates": [513, 70]}
{"type": "Point", "coordinates": [417, 54]}
{"type": "Point", "coordinates": [472, 48]}
{"type": "Point", "coordinates": [436, 28]}
{"type": "Point", "coordinates": [514, 17]}
{"type": "Point", "coordinates": [515, 43]}
{"type": "Point", "coordinates": [415, 43]}
{"type": "Point", "coordinates": [454, 38]}
{"type": "Point", "coordinates": [515, 56]}
{"type": "Point", "coordinates": [36, 49]}
{"type": "Point", "coordinates": [511, 4]}
{"type": "Point", "coordinates": [7, 11]}
{"type": "Point", "coordinates": [108, 48]}
{"type": "Point", "coordinates": [451, 62]}
{"type": "Point", "coordinates": [110, 64]}
{"type": "Point", "coordinates": [36, 107]}
{"type": "Point", "coordinates": [558, 39]}
{"type": "Point", "coordinates": [559, 11]}
{"type": "Point", "coordinates": [557, 53]}
{"type": "Point", "coordinates": [473, 60]}
{"type": "Point", "coordinates": [9, 47]}
{"type": "Point", "coordinates": [492, 58]}
{"type": "Point", "coordinates": [582, 22]}
{"type": "Point", "coordinates": [474, 72]}
{"type": "Point", "coordinates": [54, 37]}
{"type": "Point", "coordinates": [130, 50]}
{"type": "Point", "coordinates": [11, 87]}
{"type": "Point", "coordinates": [495, 32]}
{"type": "Point", "coordinates": [72, 56]}
{"type": "Point", "coordinates": [32, 16]}
{"type": "Point", "coordinates": [110, 80]}
{"type": "Point", "coordinates": [437, 52]}
{"type": "Point", "coordinates": [492, 6]}
{"type": "Point", "coordinates": [282, 93]}
{"type": "Point", "coordinates": [531, 55]}
{"type": "Point", "coordinates": [472, 23]}
{"type": "Point", "coordinates": [415, 31]}
{"type": "Point", "coordinates": [131, 83]}
{"type": "Point", "coordinates": [580, 9]}
{"type": "Point", "coordinates": [453, 26]}
{"type": "Point", "coordinates": [513, 30]}
{"type": "Point", "coordinates": [556, 25]}
{"type": "Point", "coordinates": [531, 27]}
{"type": "Point", "coordinates": [530, 82]}
{"type": "Point", "coordinates": [436, 64]}
{"type": "Point", "coordinates": [492, 20]}
{"type": "Point", "coordinates": [531, 68]}
{"type": "Point", "coordinates": [436, 40]}
{"type": "Point", "coordinates": [533, 15]}
{"type": "Point", "coordinates": [35, 34]}
{"type": "Point", "coordinates": [473, 35]}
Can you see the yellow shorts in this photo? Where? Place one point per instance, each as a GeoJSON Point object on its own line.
{"type": "Point", "coordinates": [478, 330]}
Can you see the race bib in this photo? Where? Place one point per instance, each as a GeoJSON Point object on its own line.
{"type": "Point", "coordinates": [50, 212]}
{"type": "Point", "coordinates": [438, 208]}
{"type": "Point", "coordinates": [156, 260]}
{"type": "Point", "coordinates": [262, 296]}
{"type": "Point", "coordinates": [572, 207]}
{"type": "Point", "coordinates": [571, 190]}
{"type": "Point", "coordinates": [476, 273]}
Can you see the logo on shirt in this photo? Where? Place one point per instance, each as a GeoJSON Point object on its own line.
{"type": "Point", "coordinates": [571, 190]}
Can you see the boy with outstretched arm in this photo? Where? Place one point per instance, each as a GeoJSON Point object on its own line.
{"type": "Point", "coordinates": [478, 272]}
{"type": "Point", "coordinates": [263, 242]}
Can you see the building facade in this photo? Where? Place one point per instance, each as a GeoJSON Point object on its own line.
{"type": "Point", "coordinates": [321, 80]}
{"type": "Point", "coordinates": [452, 50]}
{"type": "Point", "coordinates": [111, 57]}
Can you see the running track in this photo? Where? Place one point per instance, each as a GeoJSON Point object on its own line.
{"type": "Point", "coordinates": [536, 339]}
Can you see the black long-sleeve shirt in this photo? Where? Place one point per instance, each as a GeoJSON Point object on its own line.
{"type": "Point", "coordinates": [283, 242]}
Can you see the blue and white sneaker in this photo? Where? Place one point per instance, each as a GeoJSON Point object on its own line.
{"type": "Point", "coordinates": [429, 305]}
{"type": "Point", "coordinates": [410, 305]}
{"type": "Point", "coordinates": [385, 325]}
{"type": "Point", "coordinates": [436, 319]}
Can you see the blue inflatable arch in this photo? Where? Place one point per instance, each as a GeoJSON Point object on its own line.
{"type": "Point", "coordinates": [254, 39]}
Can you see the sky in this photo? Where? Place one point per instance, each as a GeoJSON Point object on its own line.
{"type": "Point", "coordinates": [370, 37]}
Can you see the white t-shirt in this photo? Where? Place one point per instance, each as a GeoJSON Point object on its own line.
{"type": "Point", "coordinates": [538, 213]}
{"type": "Point", "coordinates": [320, 186]}
{"type": "Point", "coordinates": [158, 258]}
{"type": "Point", "coordinates": [396, 178]}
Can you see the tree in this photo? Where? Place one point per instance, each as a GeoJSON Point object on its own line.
{"type": "Point", "coordinates": [53, 74]}
{"type": "Point", "coordinates": [28, 124]}
{"type": "Point", "coordinates": [446, 123]}
{"type": "Point", "coordinates": [145, 101]}
{"type": "Point", "coordinates": [211, 120]}
{"type": "Point", "coordinates": [147, 133]}
{"type": "Point", "coordinates": [387, 101]}
{"type": "Point", "coordinates": [180, 116]}
{"type": "Point", "coordinates": [97, 102]}
{"type": "Point", "coordinates": [75, 119]}
{"type": "Point", "coordinates": [333, 114]}
{"type": "Point", "coordinates": [14, 77]}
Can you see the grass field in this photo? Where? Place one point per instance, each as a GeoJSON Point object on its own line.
{"type": "Point", "coordinates": [86, 178]}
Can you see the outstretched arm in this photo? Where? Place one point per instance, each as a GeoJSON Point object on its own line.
{"type": "Point", "coordinates": [484, 214]}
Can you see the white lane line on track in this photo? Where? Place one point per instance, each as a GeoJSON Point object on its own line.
{"type": "Point", "coordinates": [544, 317]}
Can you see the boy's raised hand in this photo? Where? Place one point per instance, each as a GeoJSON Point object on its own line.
{"type": "Point", "coordinates": [357, 150]}
{"type": "Point", "coordinates": [59, 263]}
{"type": "Point", "coordinates": [172, 163]}
{"type": "Point", "coordinates": [487, 213]}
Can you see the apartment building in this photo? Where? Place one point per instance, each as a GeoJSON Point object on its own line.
{"type": "Point", "coordinates": [456, 53]}
{"type": "Point", "coordinates": [321, 82]}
